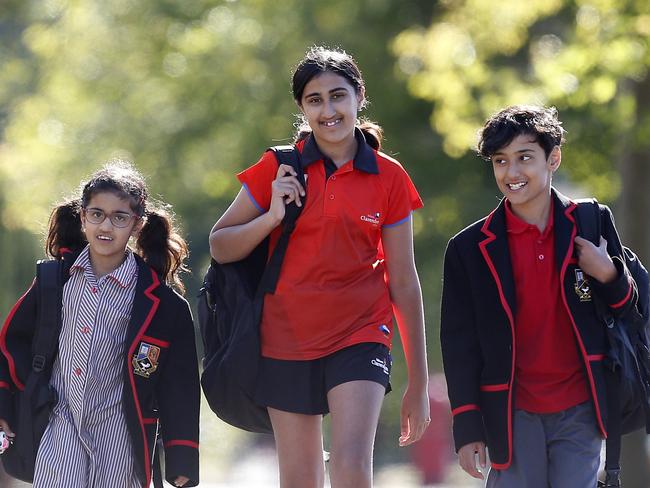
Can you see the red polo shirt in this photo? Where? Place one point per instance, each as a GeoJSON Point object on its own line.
{"type": "Point", "coordinates": [548, 370]}
{"type": "Point", "coordinates": [332, 293]}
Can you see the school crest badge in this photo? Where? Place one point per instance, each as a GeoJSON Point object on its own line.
{"type": "Point", "coordinates": [581, 286]}
{"type": "Point", "coordinates": [145, 361]}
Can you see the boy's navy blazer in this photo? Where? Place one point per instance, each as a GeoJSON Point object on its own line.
{"type": "Point", "coordinates": [478, 329]}
{"type": "Point", "coordinates": [167, 401]}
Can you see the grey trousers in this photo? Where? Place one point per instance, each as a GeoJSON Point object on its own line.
{"type": "Point", "coordinates": [559, 450]}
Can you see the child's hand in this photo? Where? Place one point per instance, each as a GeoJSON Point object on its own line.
{"type": "Point", "coordinates": [6, 436]}
{"type": "Point", "coordinates": [414, 415]}
{"type": "Point", "coordinates": [284, 190]}
{"type": "Point", "coordinates": [594, 260]}
{"type": "Point", "coordinates": [467, 459]}
{"type": "Point", "coordinates": [180, 481]}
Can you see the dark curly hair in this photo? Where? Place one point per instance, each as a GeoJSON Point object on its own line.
{"type": "Point", "coordinates": [501, 128]}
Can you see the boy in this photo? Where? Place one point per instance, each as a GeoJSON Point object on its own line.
{"type": "Point", "coordinates": [522, 346]}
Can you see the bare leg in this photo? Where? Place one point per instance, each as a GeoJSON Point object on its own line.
{"type": "Point", "coordinates": [299, 443]}
{"type": "Point", "coordinates": [355, 408]}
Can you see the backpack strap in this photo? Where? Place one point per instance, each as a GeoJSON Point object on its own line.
{"type": "Point", "coordinates": [291, 156]}
{"type": "Point", "coordinates": [588, 219]}
{"type": "Point", "coordinates": [44, 348]}
{"type": "Point", "coordinates": [50, 286]}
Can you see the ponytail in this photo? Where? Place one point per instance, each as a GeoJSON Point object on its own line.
{"type": "Point", "coordinates": [162, 248]}
{"type": "Point", "coordinates": [371, 131]}
{"type": "Point", "coordinates": [64, 229]}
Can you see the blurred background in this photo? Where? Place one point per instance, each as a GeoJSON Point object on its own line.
{"type": "Point", "coordinates": [194, 90]}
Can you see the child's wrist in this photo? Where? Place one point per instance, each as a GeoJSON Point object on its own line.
{"type": "Point", "coordinates": [609, 275]}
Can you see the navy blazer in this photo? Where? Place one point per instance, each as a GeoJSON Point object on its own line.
{"type": "Point", "coordinates": [167, 400]}
{"type": "Point", "coordinates": [478, 330]}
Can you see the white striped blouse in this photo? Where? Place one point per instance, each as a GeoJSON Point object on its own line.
{"type": "Point", "coordinates": [86, 444]}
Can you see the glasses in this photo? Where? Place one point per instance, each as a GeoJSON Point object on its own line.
{"type": "Point", "coordinates": [118, 219]}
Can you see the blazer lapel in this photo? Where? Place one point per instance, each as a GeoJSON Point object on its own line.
{"type": "Point", "coordinates": [497, 256]}
{"type": "Point", "coordinates": [565, 228]}
{"type": "Point", "coordinates": [145, 303]}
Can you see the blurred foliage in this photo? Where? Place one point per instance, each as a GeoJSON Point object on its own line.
{"type": "Point", "coordinates": [586, 57]}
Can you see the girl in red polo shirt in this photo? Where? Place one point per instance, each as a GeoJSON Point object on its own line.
{"type": "Point", "coordinates": [327, 330]}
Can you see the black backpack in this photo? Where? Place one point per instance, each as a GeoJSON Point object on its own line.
{"type": "Point", "coordinates": [229, 311]}
{"type": "Point", "coordinates": [627, 363]}
{"type": "Point", "coordinates": [32, 405]}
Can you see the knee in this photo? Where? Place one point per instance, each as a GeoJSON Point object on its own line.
{"type": "Point", "coordinates": [302, 475]}
{"type": "Point", "coordinates": [352, 466]}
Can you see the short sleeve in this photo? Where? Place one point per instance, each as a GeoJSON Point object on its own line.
{"type": "Point", "coordinates": [257, 180]}
{"type": "Point", "coordinates": [403, 198]}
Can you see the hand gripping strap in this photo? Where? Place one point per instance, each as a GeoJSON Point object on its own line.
{"type": "Point", "coordinates": [285, 155]}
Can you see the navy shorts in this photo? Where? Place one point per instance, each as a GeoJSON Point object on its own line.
{"type": "Point", "coordinates": [302, 386]}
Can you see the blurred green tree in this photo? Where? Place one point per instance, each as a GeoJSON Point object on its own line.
{"type": "Point", "coordinates": [589, 58]}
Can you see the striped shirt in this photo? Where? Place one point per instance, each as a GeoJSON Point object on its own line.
{"type": "Point", "coordinates": [87, 444]}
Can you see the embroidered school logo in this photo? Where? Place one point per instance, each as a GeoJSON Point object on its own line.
{"type": "Point", "coordinates": [371, 218]}
{"type": "Point", "coordinates": [145, 361]}
{"type": "Point", "coordinates": [380, 363]}
{"type": "Point", "coordinates": [581, 286]}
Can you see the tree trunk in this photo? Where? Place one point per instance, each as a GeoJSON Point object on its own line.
{"type": "Point", "coordinates": [633, 222]}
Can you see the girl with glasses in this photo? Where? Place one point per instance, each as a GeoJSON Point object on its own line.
{"type": "Point", "coordinates": [126, 366]}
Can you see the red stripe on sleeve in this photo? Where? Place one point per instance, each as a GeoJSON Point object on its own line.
{"type": "Point", "coordinates": [502, 387]}
{"type": "Point", "coordinates": [627, 297]}
{"type": "Point", "coordinates": [463, 409]}
{"type": "Point", "coordinates": [3, 341]}
{"type": "Point", "coordinates": [193, 444]}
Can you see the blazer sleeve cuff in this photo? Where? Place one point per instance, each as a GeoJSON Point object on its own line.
{"type": "Point", "coordinates": [182, 459]}
{"type": "Point", "coordinates": [468, 425]}
{"type": "Point", "coordinates": [618, 292]}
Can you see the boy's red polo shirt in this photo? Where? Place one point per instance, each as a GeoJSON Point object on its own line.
{"type": "Point", "coordinates": [331, 293]}
{"type": "Point", "coordinates": [548, 370]}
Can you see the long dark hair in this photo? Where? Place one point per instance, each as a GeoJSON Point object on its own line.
{"type": "Point", "coordinates": [321, 59]}
{"type": "Point", "coordinates": [158, 242]}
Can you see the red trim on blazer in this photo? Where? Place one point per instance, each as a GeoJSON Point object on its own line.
{"type": "Point", "coordinates": [596, 357]}
{"type": "Point", "coordinates": [193, 444]}
{"type": "Point", "coordinates": [147, 321]}
{"type": "Point", "coordinates": [627, 297]}
{"type": "Point", "coordinates": [154, 341]}
{"type": "Point", "coordinates": [500, 466]}
{"type": "Point", "coordinates": [501, 387]}
{"type": "Point", "coordinates": [148, 421]}
{"type": "Point", "coordinates": [583, 350]}
{"type": "Point", "coordinates": [5, 385]}
{"type": "Point", "coordinates": [3, 340]}
{"type": "Point", "coordinates": [464, 408]}
{"type": "Point", "coordinates": [483, 246]}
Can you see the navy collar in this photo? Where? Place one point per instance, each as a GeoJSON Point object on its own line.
{"type": "Point", "coordinates": [364, 160]}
